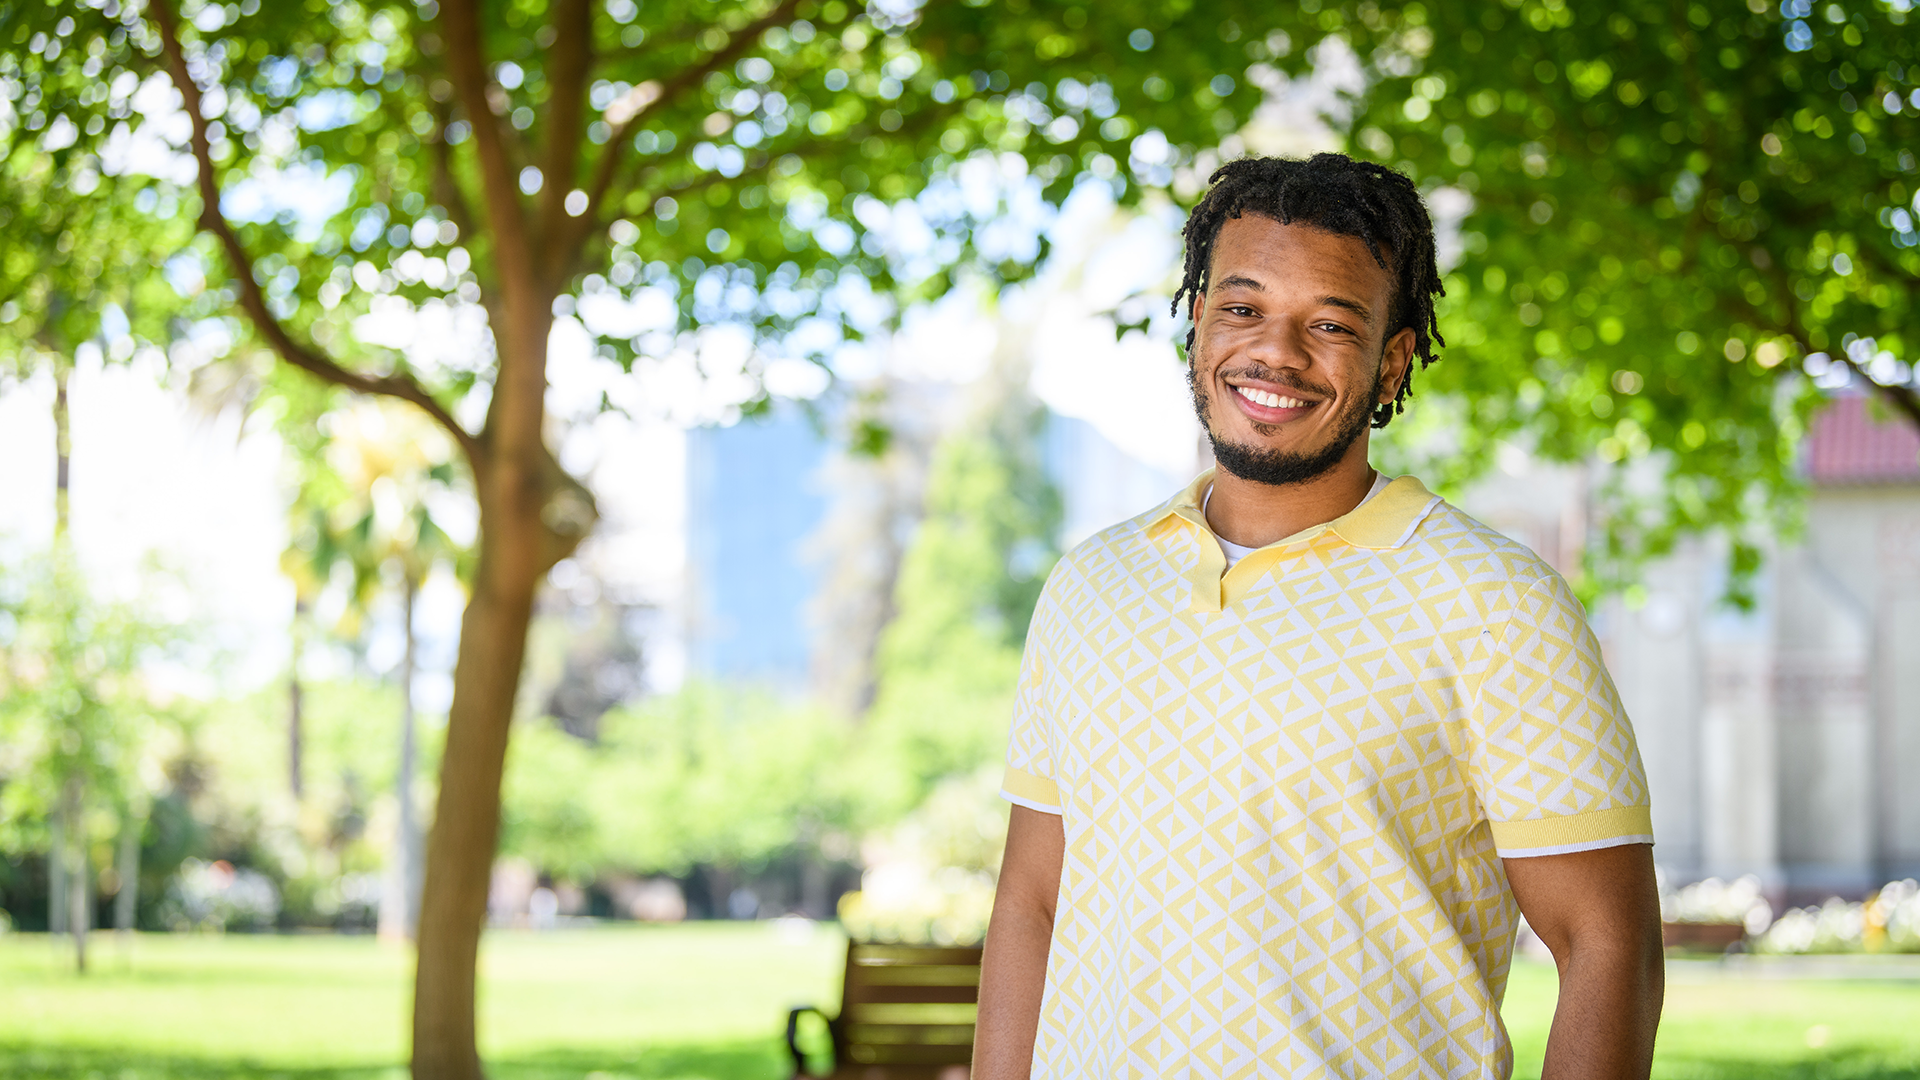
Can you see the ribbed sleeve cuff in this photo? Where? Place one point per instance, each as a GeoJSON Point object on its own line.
{"type": "Point", "coordinates": [1573, 832]}
{"type": "Point", "coordinates": [1022, 788]}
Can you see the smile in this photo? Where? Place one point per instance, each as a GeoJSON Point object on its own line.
{"type": "Point", "coordinates": [1271, 401]}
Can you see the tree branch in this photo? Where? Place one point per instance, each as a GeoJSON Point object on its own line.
{"type": "Point", "coordinates": [499, 186]}
{"type": "Point", "coordinates": [665, 94]}
{"type": "Point", "coordinates": [578, 264]}
{"type": "Point", "coordinates": [252, 299]}
{"type": "Point", "coordinates": [569, 61]}
{"type": "Point", "coordinates": [446, 187]}
{"type": "Point", "coordinates": [1904, 399]}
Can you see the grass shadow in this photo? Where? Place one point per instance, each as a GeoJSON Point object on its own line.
{"type": "Point", "coordinates": [758, 1059]}
{"type": "Point", "coordinates": [88, 1063]}
{"type": "Point", "coordinates": [752, 1060]}
{"type": "Point", "coordinates": [748, 1060]}
{"type": "Point", "coordinates": [1838, 1065]}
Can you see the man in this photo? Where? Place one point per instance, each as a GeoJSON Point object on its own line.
{"type": "Point", "coordinates": [1293, 752]}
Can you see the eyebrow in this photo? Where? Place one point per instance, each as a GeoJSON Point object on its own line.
{"type": "Point", "coordinates": [1240, 281]}
{"type": "Point", "coordinates": [1349, 305]}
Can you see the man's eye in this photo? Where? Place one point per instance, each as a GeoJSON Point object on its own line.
{"type": "Point", "coordinates": [1335, 328]}
{"type": "Point", "coordinates": [1243, 312]}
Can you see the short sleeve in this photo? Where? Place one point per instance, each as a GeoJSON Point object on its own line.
{"type": "Point", "coordinates": [1552, 755]}
{"type": "Point", "coordinates": [1029, 779]}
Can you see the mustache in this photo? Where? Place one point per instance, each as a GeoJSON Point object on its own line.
{"type": "Point", "coordinates": [1288, 379]}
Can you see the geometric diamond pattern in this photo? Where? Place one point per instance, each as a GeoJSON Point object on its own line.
{"type": "Point", "coordinates": [1286, 789]}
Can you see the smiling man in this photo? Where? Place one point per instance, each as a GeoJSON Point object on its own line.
{"type": "Point", "coordinates": [1294, 751]}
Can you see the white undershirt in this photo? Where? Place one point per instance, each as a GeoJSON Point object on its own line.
{"type": "Point", "coordinates": [1235, 552]}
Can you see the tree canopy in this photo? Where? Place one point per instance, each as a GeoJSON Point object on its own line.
{"type": "Point", "coordinates": [1684, 217]}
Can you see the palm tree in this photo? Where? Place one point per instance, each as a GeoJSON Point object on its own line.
{"type": "Point", "coordinates": [394, 467]}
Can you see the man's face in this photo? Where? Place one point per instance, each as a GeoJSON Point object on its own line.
{"type": "Point", "coordinates": [1290, 350]}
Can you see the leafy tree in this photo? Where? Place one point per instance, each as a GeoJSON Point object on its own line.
{"type": "Point", "coordinates": [704, 776]}
{"type": "Point", "coordinates": [75, 269]}
{"type": "Point", "coordinates": [519, 155]}
{"type": "Point", "coordinates": [1679, 212]}
{"type": "Point", "coordinates": [315, 544]}
{"type": "Point", "coordinates": [393, 467]}
{"type": "Point", "coordinates": [948, 660]}
{"type": "Point", "coordinates": [79, 723]}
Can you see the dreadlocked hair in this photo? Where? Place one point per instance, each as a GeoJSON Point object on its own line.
{"type": "Point", "coordinates": [1343, 196]}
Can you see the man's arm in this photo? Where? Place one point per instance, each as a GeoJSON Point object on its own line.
{"type": "Point", "coordinates": [1599, 914]}
{"type": "Point", "coordinates": [1013, 973]}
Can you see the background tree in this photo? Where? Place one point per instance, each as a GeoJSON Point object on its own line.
{"type": "Point", "coordinates": [397, 468]}
{"type": "Point", "coordinates": [539, 139]}
{"type": "Point", "coordinates": [80, 724]}
{"type": "Point", "coordinates": [72, 273]}
{"type": "Point", "coordinates": [1680, 213]}
{"type": "Point", "coordinates": [315, 546]}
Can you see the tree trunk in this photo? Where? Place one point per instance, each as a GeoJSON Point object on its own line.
{"type": "Point", "coordinates": [466, 822]}
{"type": "Point", "coordinates": [79, 894]}
{"type": "Point", "coordinates": [63, 451]}
{"type": "Point", "coordinates": [57, 903]}
{"type": "Point", "coordinates": [400, 901]}
{"type": "Point", "coordinates": [295, 698]}
{"type": "Point", "coordinates": [531, 513]}
{"type": "Point", "coordinates": [127, 868]}
{"type": "Point", "coordinates": [57, 869]}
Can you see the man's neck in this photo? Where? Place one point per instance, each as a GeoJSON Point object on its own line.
{"type": "Point", "coordinates": [1254, 515]}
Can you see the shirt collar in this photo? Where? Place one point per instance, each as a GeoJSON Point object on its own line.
{"type": "Point", "coordinates": [1386, 521]}
{"type": "Point", "coordinates": [1383, 522]}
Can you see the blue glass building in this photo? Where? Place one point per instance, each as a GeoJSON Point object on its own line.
{"type": "Point", "coordinates": [754, 499]}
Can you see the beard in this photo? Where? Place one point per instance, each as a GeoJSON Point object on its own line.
{"type": "Point", "coordinates": [1281, 467]}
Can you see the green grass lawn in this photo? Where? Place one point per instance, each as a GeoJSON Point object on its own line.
{"type": "Point", "coordinates": [701, 1000]}
{"type": "Point", "coordinates": [637, 1003]}
{"type": "Point", "coordinates": [1744, 1026]}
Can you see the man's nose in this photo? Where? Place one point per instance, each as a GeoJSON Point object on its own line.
{"type": "Point", "coordinates": [1281, 343]}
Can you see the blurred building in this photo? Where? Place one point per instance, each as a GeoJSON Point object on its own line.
{"type": "Point", "coordinates": [1100, 483]}
{"type": "Point", "coordinates": [1784, 741]}
{"type": "Point", "coordinates": [778, 518]}
{"type": "Point", "coordinates": [754, 498]}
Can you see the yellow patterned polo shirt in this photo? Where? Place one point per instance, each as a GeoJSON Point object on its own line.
{"type": "Point", "coordinates": [1286, 789]}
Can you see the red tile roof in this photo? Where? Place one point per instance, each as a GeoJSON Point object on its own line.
{"type": "Point", "coordinates": [1848, 446]}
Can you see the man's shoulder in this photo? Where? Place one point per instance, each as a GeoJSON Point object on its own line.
{"type": "Point", "coordinates": [1123, 542]}
{"type": "Point", "coordinates": [1103, 561]}
{"type": "Point", "coordinates": [1479, 551]}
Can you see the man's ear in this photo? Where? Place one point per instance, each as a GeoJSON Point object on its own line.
{"type": "Point", "coordinates": [1199, 311]}
{"type": "Point", "coordinates": [1394, 361]}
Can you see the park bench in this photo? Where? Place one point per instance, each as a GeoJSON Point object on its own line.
{"type": "Point", "coordinates": [906, 1013]}
{"type": "Point", "coordinates": [1705, 937]}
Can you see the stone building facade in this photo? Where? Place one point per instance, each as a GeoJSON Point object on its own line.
{"type": "Point", "coordinates": [1784, 741]}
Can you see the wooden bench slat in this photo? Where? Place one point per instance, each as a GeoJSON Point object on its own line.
{"type": "Point", "coordinates": [890, 1034]}
{"type": "Point", "coordinates": [916, 1012]}
{"type": "Point", "coordinates": [905, 1056]}
{"type": "Point", "coordinates": [866, 955]}
{"type": "Point", "coordinates": [876, 1053]}
{"type": "Point", "coordinates": [924, 975]}
{"type": "Point", "coordinates": [906, 994]}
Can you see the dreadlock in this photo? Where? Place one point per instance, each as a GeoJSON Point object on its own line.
{"type": "Point", "coordinates": [1343, 196]}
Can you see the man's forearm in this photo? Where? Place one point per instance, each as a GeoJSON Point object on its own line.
{"type": "Point", "coordinates": [1610, 995]}
{"type": "Point", "coordinates": [1013, 976]}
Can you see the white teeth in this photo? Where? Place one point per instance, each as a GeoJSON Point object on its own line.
{"type": "Point", "coordinates": [1271, 401]}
